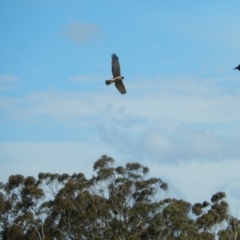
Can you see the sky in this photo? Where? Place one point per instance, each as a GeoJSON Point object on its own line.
{"type": "Point", "coordinates": [180, 116]}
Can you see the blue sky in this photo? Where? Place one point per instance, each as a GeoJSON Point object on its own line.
{"type": "Point", "coordinates": [180, 116]}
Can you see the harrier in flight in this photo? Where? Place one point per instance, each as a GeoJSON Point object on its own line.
{"type": "Point", "coordinates": [117, 78]}
{"type": "Point", "coordinates": [238, 67]}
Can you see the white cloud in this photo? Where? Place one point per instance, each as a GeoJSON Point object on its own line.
{"type": "Point", "coordinates": [169, 118]}
{"type": "Point", "coordinates": [79, 32]}
{"type": "Point", "coordinates": [67, 107]}
{"type": "Point", "coordinates": [7, 81]}
{"type": "Point", "coordinates": [198, 180]}
{"type": "Point", "coordinates": [9, 104]}
{"type": "Point", "coordinates": [161, 145]}
{"type": "Point", "coordinates": [178, 99]}
{"type": "Point", "coordinates": [188, 144]}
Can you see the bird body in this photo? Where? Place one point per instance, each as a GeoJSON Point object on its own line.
{"type": "Point", "coordinates": [238, 67]}
{"type": "Point", "coordinates": [117, 78]}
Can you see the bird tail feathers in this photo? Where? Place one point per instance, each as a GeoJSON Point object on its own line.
{"type": "Point", "coordinates": [108, 82]}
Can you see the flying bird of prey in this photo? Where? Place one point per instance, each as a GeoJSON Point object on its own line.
{"type": "Point", "coordinates": [238, 67]}
{"type": "Point", "coordinates": [117, 78]}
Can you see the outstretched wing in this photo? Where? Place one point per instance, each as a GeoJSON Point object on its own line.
{"type": "Point", "coordinates": [120, 86]}
{"type": "Point", "coordinates": [115, 66]}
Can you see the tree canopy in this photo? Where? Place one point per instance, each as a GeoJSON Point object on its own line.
{"type": "Point", "coordinates": [117, 202]}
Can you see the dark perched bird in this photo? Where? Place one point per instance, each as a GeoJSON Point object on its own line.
{"type": "Point", "coordinates": [238, 67]}
{"type": "Point", "coordinates": [117, 78]}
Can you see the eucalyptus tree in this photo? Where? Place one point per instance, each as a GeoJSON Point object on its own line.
{"type": "Point", "coordinates": [117, 202]}
{"type": "Point", "coordinates": [20, 199]}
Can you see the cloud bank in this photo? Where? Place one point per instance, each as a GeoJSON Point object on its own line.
{"type": "Point", "coordinates": [169, 119]}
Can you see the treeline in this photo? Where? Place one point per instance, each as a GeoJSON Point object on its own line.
{"type": "Point", "coordinates": [116, 203]}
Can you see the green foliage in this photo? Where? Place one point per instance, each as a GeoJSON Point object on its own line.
{"type": "Point", "coordinates": [118, 202]}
